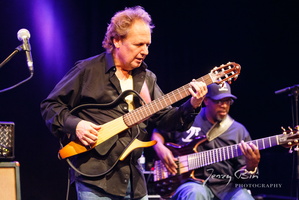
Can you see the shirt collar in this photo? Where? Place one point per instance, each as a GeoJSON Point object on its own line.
{"type": "Point", "coordinates": [109, 62]}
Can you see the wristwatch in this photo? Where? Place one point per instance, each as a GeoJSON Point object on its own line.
{"type": "Point", "coordinates": [251, 172]}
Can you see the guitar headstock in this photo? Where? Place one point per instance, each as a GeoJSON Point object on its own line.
{"type": "Point", "coordinates": [228, 72]}
{"type": "Point", "coordinates": [290, 139]}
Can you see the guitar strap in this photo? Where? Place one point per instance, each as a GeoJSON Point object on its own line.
{"type": "Point", "coordinates": [219, 128]}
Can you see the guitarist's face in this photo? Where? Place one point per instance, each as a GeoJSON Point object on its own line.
{"type": "Point", "coordinates": [130, 51]}
{"type": "Point", "coordinates": [216, 110]}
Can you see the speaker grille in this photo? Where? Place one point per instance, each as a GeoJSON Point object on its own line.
{"type": "Point", "coordinates": [10, 188]}
{"type": "Point", "coordinates": [7, 140]}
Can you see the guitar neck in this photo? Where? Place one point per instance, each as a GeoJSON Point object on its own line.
{"type": "Point", "coordinates": [201, 159]}
{"type": "Point", "coordinates": [140, 114]}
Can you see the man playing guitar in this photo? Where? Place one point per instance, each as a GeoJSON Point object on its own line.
{"type": "Point", "coordinates": [218, 180]}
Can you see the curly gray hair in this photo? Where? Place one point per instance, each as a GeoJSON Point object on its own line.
{"type": "Point", "coordinates": [121, 22]}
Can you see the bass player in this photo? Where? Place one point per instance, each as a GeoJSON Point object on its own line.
{"type": "Point", "coordinates": [216, 181]}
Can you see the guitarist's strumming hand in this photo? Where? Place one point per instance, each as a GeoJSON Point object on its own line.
{"type": "Point", "coordinates": [87, 132]}
{"type": "Point", "coordinates": [198, 90]}
{"type": "Point", "coordinates": [164, 154]}
{"type": "Point", "coordinates": [252, 155]}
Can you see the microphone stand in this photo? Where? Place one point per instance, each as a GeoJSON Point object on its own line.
{"type": "Point", "coordinates": [294, 91]}
{"type": "Point", "coordinates": [17, 50]}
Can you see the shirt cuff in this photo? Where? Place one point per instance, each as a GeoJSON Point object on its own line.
{"type": "Point", "coordinates": [70, 125]}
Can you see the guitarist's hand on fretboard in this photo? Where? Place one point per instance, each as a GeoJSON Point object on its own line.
{"type": "Point", "coordinates": [252, 155]}
{"type": "Point", "coordinates": [198, 90]}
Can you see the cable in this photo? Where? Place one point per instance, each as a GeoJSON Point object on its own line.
{"type": "Point", "coordinates": [18, 49]}
{"type": "Point", "coordinates": [16, 85]}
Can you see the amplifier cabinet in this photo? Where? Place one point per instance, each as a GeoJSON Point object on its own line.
{"type": "Point", "coordinates": [7, 139]}
{"type": "Point", "coordinates": [10, 188]}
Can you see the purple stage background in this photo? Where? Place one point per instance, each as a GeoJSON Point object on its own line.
{"type": "Point", "coordinates": [190, 38]}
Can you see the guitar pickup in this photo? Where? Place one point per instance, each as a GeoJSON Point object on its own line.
{"type": "Point", "coordinates": [178, 168]}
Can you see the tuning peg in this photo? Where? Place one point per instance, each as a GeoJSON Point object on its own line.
{"type": "Point", "coordinates": [236, 77]}
{"type": "Point", "coordinates": [291, 148]}
{"type": "Point", "coordinates": [296, 148]}
{"type": "Point", "coordinates": [283, 130]}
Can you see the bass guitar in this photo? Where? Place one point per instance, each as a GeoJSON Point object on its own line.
{"type": "Point", "coordinates": [227, 72]}
{"type": "Point", "coordinates": [189, 160]}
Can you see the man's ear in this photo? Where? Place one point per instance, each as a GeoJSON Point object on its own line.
{"type": "Point", "coordinates": [206, 101]}
{"type": "Point", "coordinates": [116, 43]}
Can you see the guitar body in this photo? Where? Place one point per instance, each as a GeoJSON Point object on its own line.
{"type": "Point", "coordinates": [167, 186]}
{"type": "Point", "coordinates": [98, 114]}
{"type": "Point", "coordinates": [114, 138]}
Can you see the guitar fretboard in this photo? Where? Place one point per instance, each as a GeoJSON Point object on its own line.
{"type": "Point", "coordinates": [140, 114]}
{"type": "Point", "coordinates": [201, 159]}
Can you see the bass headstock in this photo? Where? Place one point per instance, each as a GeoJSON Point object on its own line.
{"type": "Point", "coordinates": [225, 72]}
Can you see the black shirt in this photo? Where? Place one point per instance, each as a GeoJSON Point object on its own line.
{"type": "Point", "coordinates": [93, 81]}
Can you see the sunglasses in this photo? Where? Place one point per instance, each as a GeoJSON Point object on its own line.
{"type": "Point", "coordinates": [222, 101]}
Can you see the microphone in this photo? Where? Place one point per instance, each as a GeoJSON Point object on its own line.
{"type": "Point", "coordinates": [24, 35]}
{"type": "Point", "coordinates": [287, 89]}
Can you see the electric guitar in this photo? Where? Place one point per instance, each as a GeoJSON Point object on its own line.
{"type": "Point", "coordinates": [227, 72]}
{"type": "Point", "coordinates": [189, 160]}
